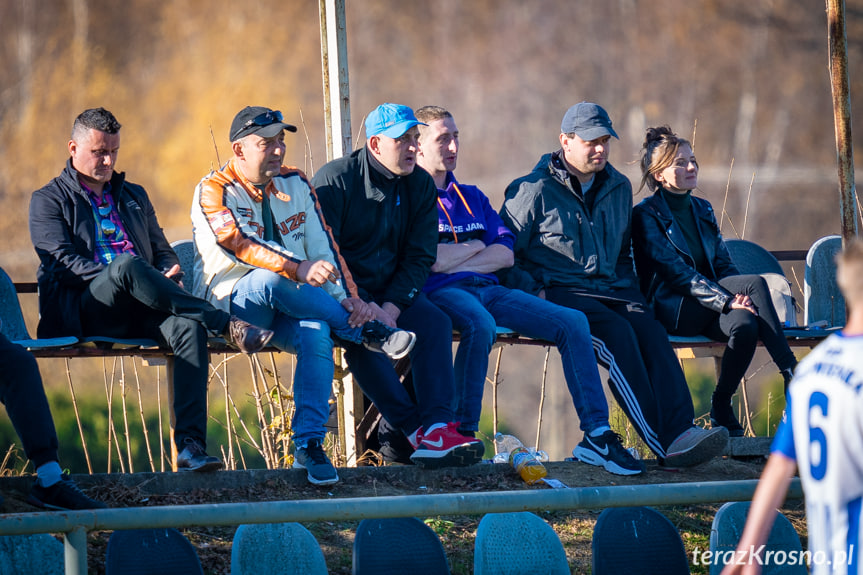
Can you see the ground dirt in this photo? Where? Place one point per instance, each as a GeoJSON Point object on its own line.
{"type": "Point", "coordinates": [456, 532]}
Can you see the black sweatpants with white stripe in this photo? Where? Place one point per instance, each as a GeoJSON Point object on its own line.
{"type": "Point", "coordinates": [644, 373]}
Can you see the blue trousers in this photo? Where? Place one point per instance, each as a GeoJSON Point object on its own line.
{"type": "Point", "coordinates": [22, 393]}
{"type": "Point", "coordinates": [431, 364]}
{"type": "Point", "coordinates": [477, 306]}
{"type": "Point", "coordinates": [304, 320]}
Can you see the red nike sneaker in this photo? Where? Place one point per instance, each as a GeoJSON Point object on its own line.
{"type": "Point", "coordinates": [443, 446]}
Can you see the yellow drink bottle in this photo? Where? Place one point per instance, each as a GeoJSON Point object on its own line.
{"type": "Point", "coordinates": [530, 469]}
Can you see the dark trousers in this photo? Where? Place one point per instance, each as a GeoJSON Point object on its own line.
{"type": "Point", "coordinates": [431, 365]}
{"type": "Point", "coordinates": [132, 299]}
{"type": "Point", "coordinates": [22, 393]}
{"type": "Point", "coordinates": [741, 329]}
{"type": "Point", "coordinates": [644, 374]}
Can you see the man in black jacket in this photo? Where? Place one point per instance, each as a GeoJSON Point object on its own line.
{"type": "Point", "coordinates": [383, 216]}
{"type": "Point", "coordinates": [106, 269]}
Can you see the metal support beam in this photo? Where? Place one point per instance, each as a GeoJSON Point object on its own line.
{"type": "Point", "coordinates": [334, 61]}
{"type": "Point", "coordinates": [75, 546]}
{"type": "Point", "coordinates": [842, 116]}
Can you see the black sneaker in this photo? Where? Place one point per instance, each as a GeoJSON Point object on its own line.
{"type": "Point", "coordinates": [64, 495]}
{"type": "Point", "coordinates": [395, 343]}
{"type": "Point", "coordinates": [722, 415]}
{"type": "Point", "coordinates": [313, 459]}
{"type": "Point", "coordinates": [194, 458]}
{"type": "Point", "coordinates": [607, 451]}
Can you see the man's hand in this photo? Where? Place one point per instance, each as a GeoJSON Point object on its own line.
{"type": "Point", "coordinates": [174, 270]}
{"type": "Point", "coordinates": [382, 315]}
{"type": "Point", "coordinates": [393, 311]}
{"type": "Point", "coordinates": [360, 311]}
{"type": "Point", "coordinates": [317, 273]}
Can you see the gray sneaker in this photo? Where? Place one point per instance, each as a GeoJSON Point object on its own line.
{"type": "Point", "coordinates": [696, 445]}
{"type": "Point", "coordinates": [394, 343]}
{"type": "Point", "coordinates": [313, 459]}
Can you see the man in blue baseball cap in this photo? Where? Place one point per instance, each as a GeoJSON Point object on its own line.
{"type": "Point", "coordinates": [383, 216]}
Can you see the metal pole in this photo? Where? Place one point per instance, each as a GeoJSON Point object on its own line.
{"type": "Point", "coordinates": [838, 42]}
{"type": "Point", "coordinates": [334, 61]}
{"type": "Point", "coordinates": [75, 551]}
{"type": "Point", "coordinates": [391, 506]}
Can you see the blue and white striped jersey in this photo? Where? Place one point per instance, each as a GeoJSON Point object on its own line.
{"type": "Point", "coordinates": [824, 434]}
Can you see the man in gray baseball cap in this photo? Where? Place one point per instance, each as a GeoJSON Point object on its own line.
{"type": "Point", "coordinates": [572, 220]}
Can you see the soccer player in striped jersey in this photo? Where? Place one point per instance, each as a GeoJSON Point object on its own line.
{"type": "Point", "coordinates": [822, 438]}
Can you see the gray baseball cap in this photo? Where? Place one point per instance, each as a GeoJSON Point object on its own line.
{"type": "Point", "coordinates": [588, 121]}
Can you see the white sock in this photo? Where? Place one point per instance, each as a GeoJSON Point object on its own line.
{"type": "Point", "coordinates": [599, 431]}
{"type": "Point", "coordinates": [49, 473]}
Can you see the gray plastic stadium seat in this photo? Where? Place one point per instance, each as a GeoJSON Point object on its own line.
{"type": "Point", "coordinates": [823, 304]}
{"type": "Point", "coordinates": [38, 553]}
{"type": "Point", "coordinates": [637, 540]}
{"type": "Point", "coordinates": [185, 250]}
{"type": "Point", "coordinates": [162, 551]}
{"type": "Point", "coordinates": [728, 527]}
{"type": "Point", "coordinates": [400, 545]}
{"type": "Point", "coordinates": [517, 544]}
{"type": "Point", "coordinates": [276, 549]}
{"type": "Point", "coordinates": [750, 258]}
{"type": "Point", "coordinates": [14, 327]}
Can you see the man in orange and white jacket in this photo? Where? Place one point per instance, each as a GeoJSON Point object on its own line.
{"type": "Point", "coordinates": [265, 252]}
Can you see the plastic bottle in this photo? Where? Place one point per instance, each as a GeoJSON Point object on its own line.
{"type": "Point", "coordinates": [530, 469]}
{"type": "Point", "coordinates": [504, 444]}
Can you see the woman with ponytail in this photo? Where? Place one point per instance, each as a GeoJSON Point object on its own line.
{"type": "Point", "coordinates": [686, 272]}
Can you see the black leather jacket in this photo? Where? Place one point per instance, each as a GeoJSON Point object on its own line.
{"type": "Point", "coordinates": [665, 268]}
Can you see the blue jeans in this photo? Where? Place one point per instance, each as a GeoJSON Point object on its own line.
{"type": "Point", "coordinates": [477, 306]}
{"type": "Point", "coordinates": [431, 359]}
{"type": "Point", "coordinates": [303, 319]}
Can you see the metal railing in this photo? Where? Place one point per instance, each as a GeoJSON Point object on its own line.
{"type": "Point", "coordinates": [76, 524]}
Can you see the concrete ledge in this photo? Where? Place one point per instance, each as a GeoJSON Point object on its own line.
{"type": "Point", "coordinates": [748, 446]}
{"type": "Point", "coordinates": [160, 483]}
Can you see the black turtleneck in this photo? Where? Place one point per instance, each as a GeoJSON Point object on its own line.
{"type": "Point", "coordinates": [681, 208]}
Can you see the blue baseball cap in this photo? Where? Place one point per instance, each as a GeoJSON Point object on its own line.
{"type": "Point", "coordinates": [587, 121]}
{"type": "Point", "coordinates": [391, 120]}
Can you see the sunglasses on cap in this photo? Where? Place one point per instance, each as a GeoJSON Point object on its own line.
{"type": "Point", "coordinates": [108, 227]}
{"type": "Point", "coordinates": [264, 119]}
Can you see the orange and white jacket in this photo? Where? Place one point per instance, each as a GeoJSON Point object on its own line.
{"type": "Point", "coordinates": [229, 232]}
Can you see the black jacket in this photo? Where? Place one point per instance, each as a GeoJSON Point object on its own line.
{"type": "Point", "coordinates": [62, 229]}
{"type": "Point", "coordinates": [665, 268]}
{"type": "Point", "coordinates": [386, 228]}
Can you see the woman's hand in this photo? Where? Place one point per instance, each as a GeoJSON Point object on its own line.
{"type": "Point", "coordinates": [741, 301]}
